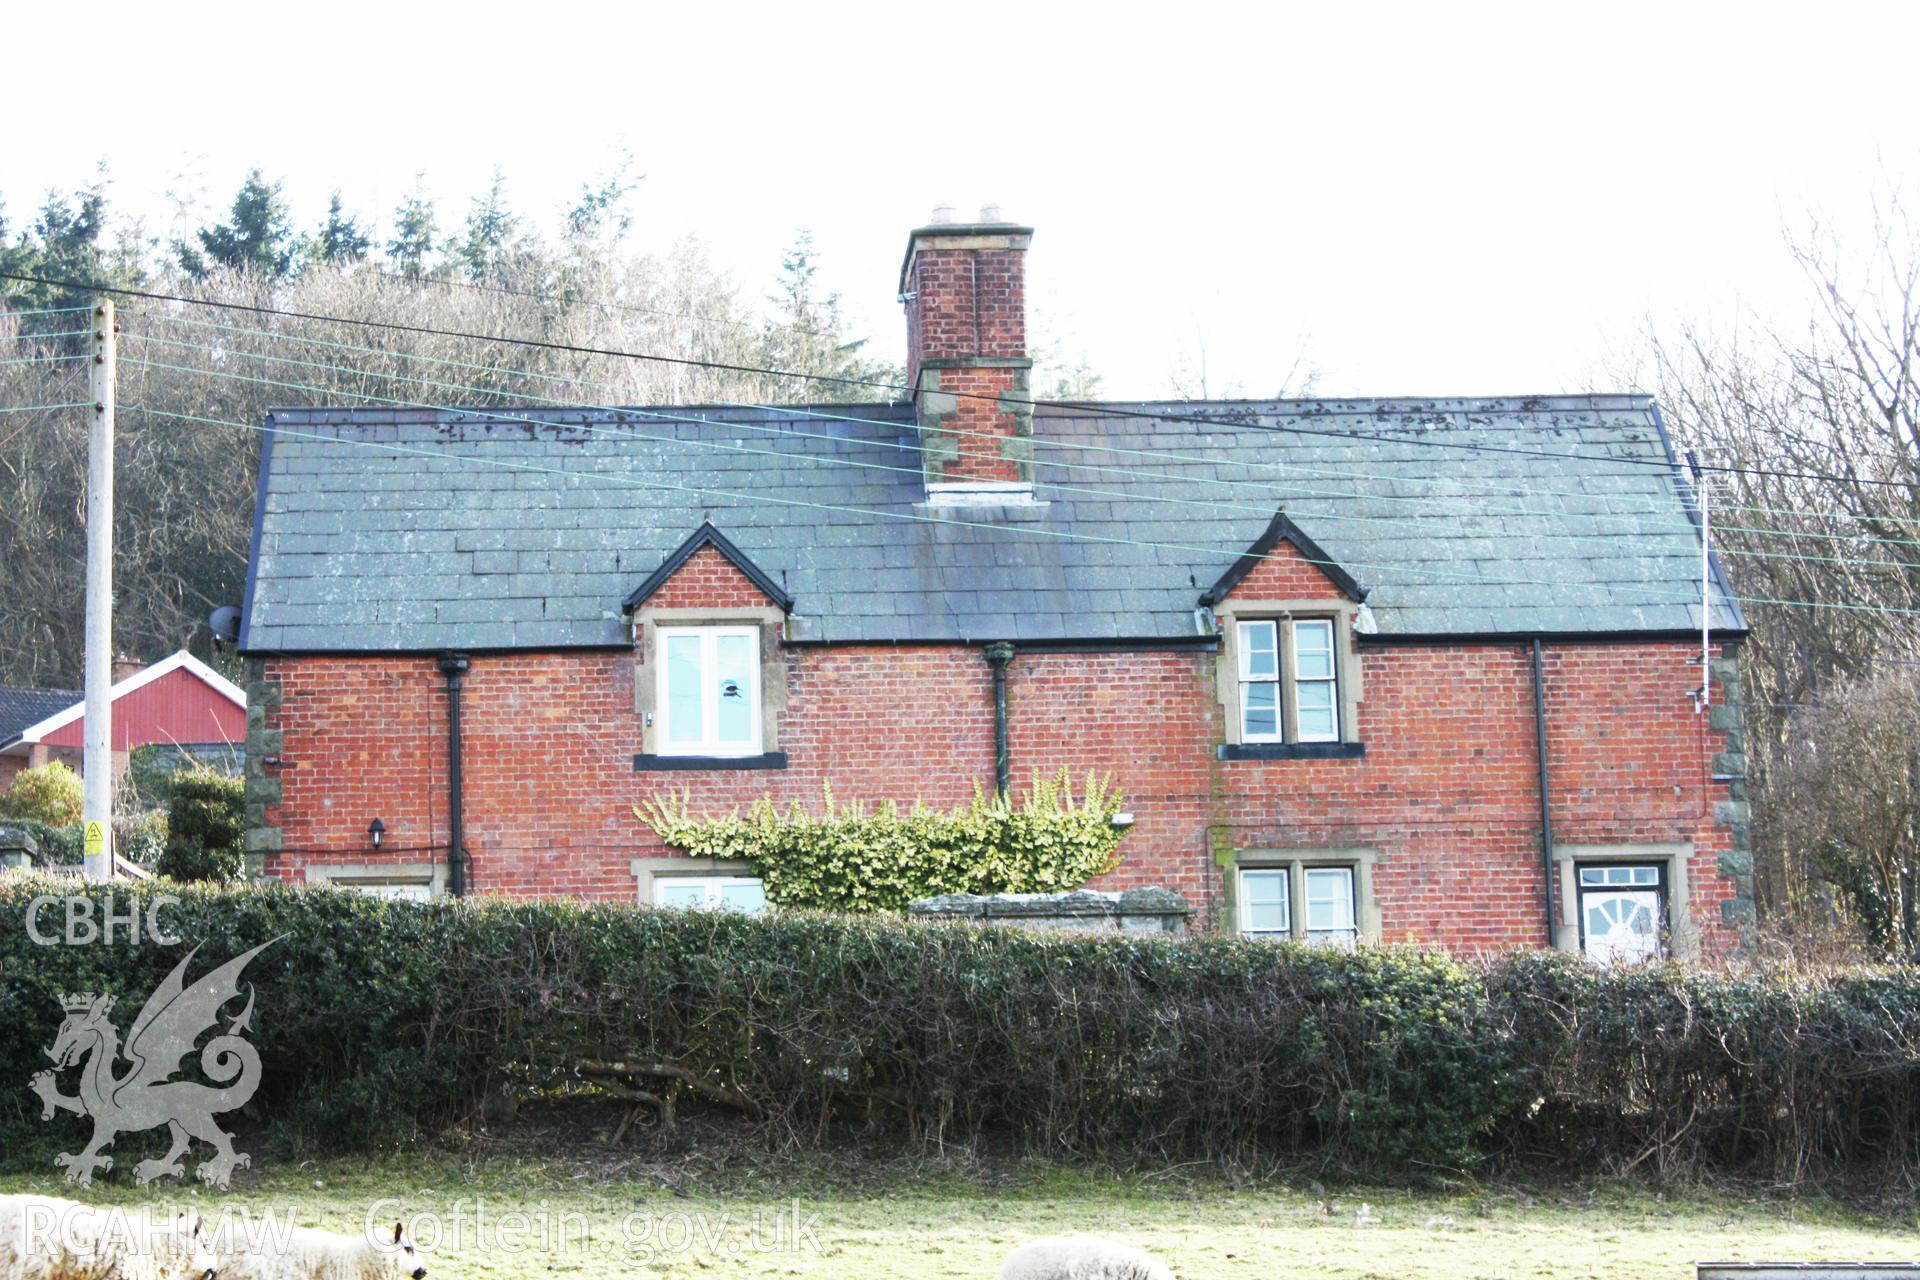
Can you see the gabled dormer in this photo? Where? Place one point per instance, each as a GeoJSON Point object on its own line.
{"type": "Point", "coordinates": [710, 677]}
{"type": "Point", "coordinates": [1289, 677]}
{"type": "Point", "coordinates": [708, 570]}
{"type": "Point", "coordinates": [1284, 563]}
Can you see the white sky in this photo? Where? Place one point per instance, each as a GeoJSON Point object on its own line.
{"type": "Point", "coordinates": [1431, 199]}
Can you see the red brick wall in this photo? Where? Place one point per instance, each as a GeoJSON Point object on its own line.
{"type": "Point", "coordinates": [1285, 574]}
{"type": "Point", "coordinates": [1445, 794]}
{"type": "Point", "coordinates": [968, 302]}
{"type": "Point", "coordinates": [708, 580]}
{"type": "Point", "coordinates": [981, 425]}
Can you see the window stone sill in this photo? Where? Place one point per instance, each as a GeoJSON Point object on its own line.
{"type": "Point", "coordinates": [1292, 751]}
{"type": "Point", "coordinates": [768, 760]}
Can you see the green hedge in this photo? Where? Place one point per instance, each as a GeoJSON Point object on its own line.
{"type": "Point", "coordinates": [378, 1022]}
{"type": "Point", "coordinates": [206, 826]}
{"type": "Point", "coordinates": [862, 857]}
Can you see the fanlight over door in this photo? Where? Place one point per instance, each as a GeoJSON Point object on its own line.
{"type": "Point", "coordinates": [1623, 913]}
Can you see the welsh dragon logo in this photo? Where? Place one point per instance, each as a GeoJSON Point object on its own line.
{"type": "Point", "coordinates": [146, 1096]}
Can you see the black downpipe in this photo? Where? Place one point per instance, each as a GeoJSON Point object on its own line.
{"type": "Point", "coordinates": [999, 655]}
{"type": "Point", "coordinates": [453, 666]}
{"type": "Point", "coordinates": [1546, 790]}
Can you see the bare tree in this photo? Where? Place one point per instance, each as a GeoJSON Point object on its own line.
{"type": "Point", "coordinates": [185, 483]}
{"type": "Point", "coordinates": [1820, 430]}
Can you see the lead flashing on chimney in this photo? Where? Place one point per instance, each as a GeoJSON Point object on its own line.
{"type": "Point", "coordinates": [980, 493]}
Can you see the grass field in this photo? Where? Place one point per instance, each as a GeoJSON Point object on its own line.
{"type": "Point", "coordinates": [904, 1221]}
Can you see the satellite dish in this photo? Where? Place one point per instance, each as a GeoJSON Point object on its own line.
{"type": "Point", "coordinates": [225, 624]}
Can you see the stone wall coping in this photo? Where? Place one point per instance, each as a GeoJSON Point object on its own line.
{"type": "Point", "coordinates": [1153, 901]}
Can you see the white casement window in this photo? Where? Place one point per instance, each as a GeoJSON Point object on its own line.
{"type": "Point", "coordinates": [1308, 663]}
{"type": "Point", "coordinates": [709, 691]}
{"type": "Point", "coordinates": [1329, 895]}
{"type": "Point", "coordinates": [1315, 700]}
{"type": "Point", "coordinates": [1330, 913]}
{"type": "Point", "coordinates": [1264, 906]}
{"type": "Point", "coordinates": [1260, 710]}
{"type": "Point", "coordinates": [711, 893]}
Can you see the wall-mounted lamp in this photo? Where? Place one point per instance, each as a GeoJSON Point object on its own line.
{"type": "Point", "coordinates": [376, 831]}
{"type": "Point", "coordinates": [1123, 819]}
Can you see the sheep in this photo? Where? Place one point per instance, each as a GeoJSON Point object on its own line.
{"type": "Point", "coordinates": [1081, 1258]}
{"type": "Point", "coordinates": [276, 1252]}
{"type": "Point", "coordinates": [45, 1238]}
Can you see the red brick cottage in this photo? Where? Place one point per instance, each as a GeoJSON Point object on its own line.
{"type": "Point", "coordinates": [1377, 669]}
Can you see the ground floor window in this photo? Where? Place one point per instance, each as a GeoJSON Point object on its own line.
{"type": "Point", "coordinates": [1623, 911]}
{"type": "Point", "coordinates": [1330, 906]}
{"type": "Point", "coordinates": [398, 884]}
{"type": "Point", "coordinates": [711, 893]}
{"type": "Point", "coordinates": [1329, 898]}
{"type": "Point", "coordinates": [1264, 902]}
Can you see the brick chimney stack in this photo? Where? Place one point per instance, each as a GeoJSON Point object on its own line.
{"type": "Point", "coordinates": [964, 286]}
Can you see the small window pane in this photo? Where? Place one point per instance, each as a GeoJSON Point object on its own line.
{"type": "Point", "coordinates": [734, 673]}
{"type": "Point", "coordinates": [749, 896]}
{"type": "Point", "coordinates": [1318, 720]}
{"type": "Point", "coordinates": [1259, 651]}
{"type": "Point", "coordinates": [682, 891]}
{"type": "Point", "coordinates": [683, 688]}
{"type": "Point", "coordinates": [1263, 896]}
{"type": "Point", "coordinates": [1316, 695]}
{"type": "Point", "coordinates": [1260, 710]}
{"type": "Point", "coordinates": [1329, 898]}
{"type": "Point", "coordinates": [1313, 650]}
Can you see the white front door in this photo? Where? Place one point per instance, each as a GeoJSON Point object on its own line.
{"type": "Point", "coordinates": [1622, 913]}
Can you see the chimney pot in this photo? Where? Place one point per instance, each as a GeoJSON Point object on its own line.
{"type": "Point", "coordinates": [990, 213]}
{"type": "Point", "coordinates": [942, 215]}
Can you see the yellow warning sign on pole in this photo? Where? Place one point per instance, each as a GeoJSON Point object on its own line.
{"type": "Point", "coordinates": [96, 841]}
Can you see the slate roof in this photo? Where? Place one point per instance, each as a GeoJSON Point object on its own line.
{"type": "Point", "coordinates": [402, 530]}
{"type": "Point", "coordinates": [20, 708]}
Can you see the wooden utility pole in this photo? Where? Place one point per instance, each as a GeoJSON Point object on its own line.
{"type": "Point", "coordinates": [97, 752]}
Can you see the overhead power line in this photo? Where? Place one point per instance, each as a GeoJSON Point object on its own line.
{"type": "Point", "coordinates": [36, 337]}
{"type": "Point", "coordinates": [554, 296]}
{"type": "Point", "coordinates": [46, 359]}
{"type": "Point", "coordinates": [1689, 596]}
{"type": "Point", "coordinates": [1401, 525]}
{"type": "Point", "coordinates": [1289, 469]}
{"type": "Point", "coordinates": [1105, 410]}
{"type": "Point", "coordinates": [42, 408]}
{"type": "Point", "coordinates": [1285, 468]}
{"type": "Point", "coordinates": [1462, 577]}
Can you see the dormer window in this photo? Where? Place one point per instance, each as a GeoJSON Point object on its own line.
{"type": "Point", "coordinates": [709, 694]}
{"type": "Point", "coordinates": [1288, 675]}
{"type": "Point", "coordinates": [1289, 680]}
